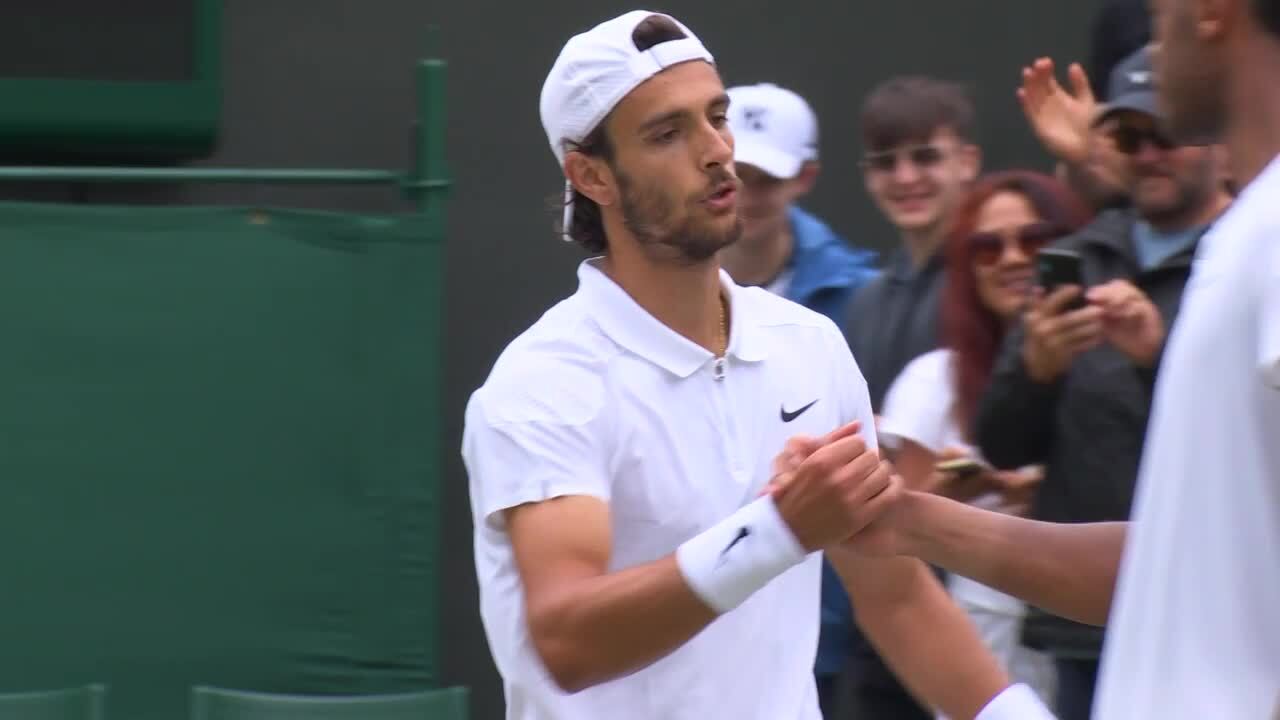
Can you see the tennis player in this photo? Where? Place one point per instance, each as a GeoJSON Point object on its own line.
{"type": "Point", "coordinates": [629, 564]}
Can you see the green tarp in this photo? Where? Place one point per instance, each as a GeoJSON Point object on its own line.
{"type": "Point", "coordinates": [218, 452]}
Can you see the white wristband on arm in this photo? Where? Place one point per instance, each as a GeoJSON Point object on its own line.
{"type": "Point", "coordinates": [1016, 702]}
{"type": "Point", "coordinates": [728, 562]}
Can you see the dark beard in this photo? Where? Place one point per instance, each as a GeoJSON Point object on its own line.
{"type": "Point", "coordinates": [1195, 191]}
{"type": "Point", "coordinates": [647, 212]}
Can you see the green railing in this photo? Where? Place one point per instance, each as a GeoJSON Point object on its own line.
{"type": "Point", "coordinates": [424, 182]}
{"type": "Point", "coordinates": [221, 440]}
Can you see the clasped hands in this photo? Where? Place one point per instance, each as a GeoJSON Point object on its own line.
{"type": "Point", "coordinates": [836, 491]}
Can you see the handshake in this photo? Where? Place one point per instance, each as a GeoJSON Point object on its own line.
{"type": "Point", "coordinates": [834, 490]}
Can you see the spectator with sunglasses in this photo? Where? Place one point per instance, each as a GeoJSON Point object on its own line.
{"type": "Point", "coordinates": [1072, 388]}
{"type": "Point", "coordinates": [1087, 160]}
{"type": "Point", "coordinates": [1062, 119]}
{"type": "Point", "coordinates": [928, 412]}
{"type": "Point", "coordinates": [920, 162]}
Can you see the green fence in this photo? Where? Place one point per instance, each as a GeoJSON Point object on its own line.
{"type": "Point", "coordinates": [219, 439]}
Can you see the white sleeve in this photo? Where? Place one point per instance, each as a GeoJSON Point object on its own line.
{"type": "Point", "coordinates": [1016, 702]}
{"type": "Point", "coordinates": [514, 457]}
{"type": "Point", "coordinates": [851, 387]}
{"type": "Point", "coordinates": [918, 405]}
{"type": "Point", "coordinates": [1269, 321]}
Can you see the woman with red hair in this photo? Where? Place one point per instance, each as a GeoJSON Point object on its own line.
{"type": "Point", "coordinates": [926, 422]}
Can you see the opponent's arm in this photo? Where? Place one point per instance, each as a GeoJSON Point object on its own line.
{"type": "Point", "coordinates": [902, 608]}
{"type": "Point", "coordinates": [1067, 569]}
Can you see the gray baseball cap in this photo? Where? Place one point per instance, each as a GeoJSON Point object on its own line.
{"type": "Point", "coordinates": [1132, 87]}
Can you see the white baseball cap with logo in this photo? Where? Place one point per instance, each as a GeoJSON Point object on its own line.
{"type": "Point", "coordinates": [595, 70]}
{"type": "Point", "coordinates": [774, 129]}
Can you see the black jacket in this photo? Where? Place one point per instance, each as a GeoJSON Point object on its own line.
{"type": "Point", "coordinates": [894, 319]}
{"type": "Point", "coordinates": [1087, 428]}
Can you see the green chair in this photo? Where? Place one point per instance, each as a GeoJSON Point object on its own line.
{"type": "Point", "coordinates": [219, 704]}
{"type": "Point", "coordinates": [78, 703]}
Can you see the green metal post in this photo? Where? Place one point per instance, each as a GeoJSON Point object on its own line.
{"type": "Point", "coordinates": [429, 171]}
{"type": "Point", "coordinates": [427, 185]}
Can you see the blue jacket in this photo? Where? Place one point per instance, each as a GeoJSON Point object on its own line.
{"type": "Point", "coordinates": [825, 270]}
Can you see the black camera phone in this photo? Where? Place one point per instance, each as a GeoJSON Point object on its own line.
{"type": "Point", "coordinates": [1056, 267]}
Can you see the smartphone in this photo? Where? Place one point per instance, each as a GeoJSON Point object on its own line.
{"type": "Point", "coordinates": [960, 466]}
{"type": "Point", "coordinates": [1056, 267]}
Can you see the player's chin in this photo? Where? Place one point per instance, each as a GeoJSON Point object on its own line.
{"type": "Point", "coordinates": [710, 235]}
{"type": "Point", "coordinates": [728, 228]}
{"type": "Point", "coordinates": [726, 236]}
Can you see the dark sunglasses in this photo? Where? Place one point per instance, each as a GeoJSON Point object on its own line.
{"type": "Point", "coordinates": [1129, 139]}
{"type": "Point", "coordinates": [922, 156]}
{"type": "Point", "coordinates": [987, 248]}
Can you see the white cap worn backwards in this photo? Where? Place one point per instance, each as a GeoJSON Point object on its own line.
{"type": "Point", "coordinates": [595, 71]}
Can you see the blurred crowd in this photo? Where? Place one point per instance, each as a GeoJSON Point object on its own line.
{"type": "Point", "coordinates": [990, 387]}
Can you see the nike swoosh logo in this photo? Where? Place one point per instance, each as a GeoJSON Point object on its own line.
{"type": "Point", "coordinates": [743, 532]}
{"type": "Point", "coordinates": [789, 416]}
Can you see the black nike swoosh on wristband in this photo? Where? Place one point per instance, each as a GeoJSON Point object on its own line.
{"type": "Point", "coordinates": [743, 532]}
{"type": "Point", "coordinates": [789, 416]}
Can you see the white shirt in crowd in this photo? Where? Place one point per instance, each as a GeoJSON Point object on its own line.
{"type": "Point", "coordinates": [1195, 627]}
{"type": "Point", "coordinates": [920, 407]}
{"type": "Point", "coordinates": [598, 398]}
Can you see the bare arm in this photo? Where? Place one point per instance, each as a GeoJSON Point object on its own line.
{"type": "Point", "coordinates": [588, 626]}
{"type": "Point", "coordinates": [927, 640]}
{"type": "Point", "coordinates": [1067, 569]}
{"type": "Point", "coordinates": [914, 464]}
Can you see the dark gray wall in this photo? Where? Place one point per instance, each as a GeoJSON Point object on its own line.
{"type": "Point", "coordinates": [329, 83]}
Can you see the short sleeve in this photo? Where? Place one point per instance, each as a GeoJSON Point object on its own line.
{"type": "Point", "coordinates": [851, 386]}
{"type": "Point", "coordinates": [1269, 322]}
{"type": "Point", "coordinates": [918, 405]}
{"type": "Point", "coordinates": [514, 457]}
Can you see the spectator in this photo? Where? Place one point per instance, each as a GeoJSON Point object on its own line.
{"type": "Point", "coordinates": [1060, 395]}
{"type": "Point", "coordinates": [1087, 160]}
{"type": "Point", "coordinates": [928, 412]}
{"type": "Point", "coordinates": [783, 248]}
{"type": "Point", "coordinates": [920, 160]}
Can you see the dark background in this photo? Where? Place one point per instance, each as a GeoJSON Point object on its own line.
{"type": "Point", "coordinates": [329, 83]}
{"type": "Point", "coordinates": [88, 40]}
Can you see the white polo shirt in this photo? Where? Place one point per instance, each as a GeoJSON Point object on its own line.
{"type": "Point", "coordinates": [1195, 627]}
{"type": "Point", "coordinates": [598, 398]}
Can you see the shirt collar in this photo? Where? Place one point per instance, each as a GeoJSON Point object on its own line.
{"type": "Point", "coordinates": [632, 327]}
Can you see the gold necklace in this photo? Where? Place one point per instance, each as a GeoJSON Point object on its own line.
{"type": "Point", "coordinates": [724, 327]}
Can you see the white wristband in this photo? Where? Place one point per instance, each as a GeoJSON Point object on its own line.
{"type": "Point", "coordinates": [1016, 702]}
{"type": "Point", "coordinates": [725, 564]}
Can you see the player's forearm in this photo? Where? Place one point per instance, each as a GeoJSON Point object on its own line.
{"type": "Point", "coordinates": [597, 629]}
{"type": "Point", "coordinates": [1067, 569]}
{"type": "Point", "coordinates": [925, 638]}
